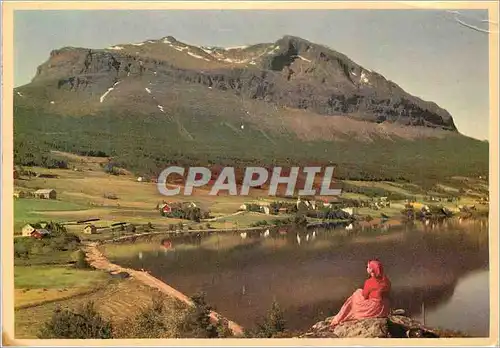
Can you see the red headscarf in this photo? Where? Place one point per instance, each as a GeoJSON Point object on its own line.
{"type": "Point", "coordinates": [377, 268]}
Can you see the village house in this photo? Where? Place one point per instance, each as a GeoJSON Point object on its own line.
{"type": "Point", "coordinates": [165, 208]}
{"type": "Point", "coordinates": [45, 194]}
{"type": "Point", "coordinates": [90, 229]}
{"type": "Point", "coordinates": [282, 210]}
{"type": "Point", "coordinates": [40, 233]}
{"type": "Point", "coordinates": [349, 211]}
{"type": "Point", "coordinates": [20, 194]}
{"type": "Point", "coordinates": [28, 229]}
{"type": "Point", "coordinates": [308, 203]}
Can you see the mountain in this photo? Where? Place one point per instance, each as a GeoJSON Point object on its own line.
{"type": "Point", "coordinates": [289, 101]}
{"type": "Point", "coordinates": [291, 72]}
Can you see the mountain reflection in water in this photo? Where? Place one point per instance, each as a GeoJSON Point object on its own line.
{"type": "Point", "coordinates": [310, 272]}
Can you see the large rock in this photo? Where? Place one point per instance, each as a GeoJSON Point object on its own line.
{"type": "Point", "coordinates": [366, 328]}
{"type": "Point", "coordinates": [396, 326]}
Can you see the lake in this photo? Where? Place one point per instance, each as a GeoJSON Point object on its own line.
{"type": "Point", "coordinates": [439, 270]}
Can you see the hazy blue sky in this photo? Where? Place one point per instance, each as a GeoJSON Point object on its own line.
{"type": "Point", "coordinates": [428, 53]}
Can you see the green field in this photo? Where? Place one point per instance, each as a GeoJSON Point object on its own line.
{"type": "Point", "coordinates": [55, 277]}
{"type": "Point", "coordinates": [30, 210]}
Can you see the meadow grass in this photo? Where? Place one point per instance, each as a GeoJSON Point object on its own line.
{"type": "Point", "coordinates": [54, 257]}
{"type": "Point", "coordinates": [27, 210]}
{"type": "Point", "coordinates": [55, 277]}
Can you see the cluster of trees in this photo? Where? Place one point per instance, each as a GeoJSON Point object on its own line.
{"type": "Point", "coordinates": [434, 211]}
{"type": "Point", "coordinates": [161, 319]}
{"type": "Point", "coordinates": [329, 214]}
{"type": "Point", "coordinates": [254, 207]}
{"type": "Point", "coordinates": [25, 156]}
{"type": "Point", "coordinates": [274, 207]}
{"type": "Point", "coordinates": [187, 213]}
{"type": "Point", "coordinates": [274, 222]}
{"type": "Point", "coordinates": [299, 219]}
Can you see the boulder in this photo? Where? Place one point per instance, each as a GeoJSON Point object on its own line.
{"type": "Point", "coordinates": [365, 328]}
{"type": "Point", "coordinates": [395, 325]}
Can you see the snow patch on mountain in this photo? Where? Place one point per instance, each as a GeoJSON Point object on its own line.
{"type": "Point", "coordinates": [197, 56]}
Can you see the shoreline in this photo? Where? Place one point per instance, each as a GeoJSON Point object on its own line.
{"type": "Point", "coordinates": [99, 261]}
{"type": "Point", "coordinates": [187, 232]}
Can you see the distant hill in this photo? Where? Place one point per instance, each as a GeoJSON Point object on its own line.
{"type": "Point", "coordinates": [159, 102]}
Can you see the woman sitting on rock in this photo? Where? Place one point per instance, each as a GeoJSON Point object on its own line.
{"type": "Point", "coordinates": [370, 302]}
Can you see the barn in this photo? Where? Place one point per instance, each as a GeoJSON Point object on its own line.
{"type": "Point", "coordinates": [166, 208]}
{"type": "Point", "coordinates": [46, 194]}
{"type": "Point", "coordinates": [40, 233]}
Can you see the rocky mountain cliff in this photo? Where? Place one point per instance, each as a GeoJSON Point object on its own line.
{"type": "Point", "coordinates": [291, 72]}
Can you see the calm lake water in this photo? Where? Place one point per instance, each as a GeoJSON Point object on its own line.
{"type": "Point", "coordinates": [438, 270]}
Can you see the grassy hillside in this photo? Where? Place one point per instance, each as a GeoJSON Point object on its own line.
{"type": "Point", "coordinates": [146, 144]}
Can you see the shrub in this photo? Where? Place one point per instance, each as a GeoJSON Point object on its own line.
{"type": "Point", "coordinates": [154, 321]}
{"type": "Point", "coordinates": [165, 318]}
{"type": "Point", "coordinates": [274, 324]}
{"type": "Point", "coordinates": [81, 260]}
{"type": "Point", "coordinates": [196, 322]}
{"type": "Point", "coordinates": [110, 195]}
{"type": "Point", "coordinates": [300, 220]}
{"type": "Point", "coordinates": [83, 323]}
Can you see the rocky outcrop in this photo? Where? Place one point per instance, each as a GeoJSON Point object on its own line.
{"type": "Point", "coordinates": [394, 326]}
{"type": "Point", "coordinates": [291, 72]}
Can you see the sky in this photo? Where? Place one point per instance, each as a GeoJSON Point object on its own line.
{"type": "Point", "coordinates": [427, 52]}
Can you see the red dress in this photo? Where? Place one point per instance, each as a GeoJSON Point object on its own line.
{"type": "Point", "coordinates": [370, 302]}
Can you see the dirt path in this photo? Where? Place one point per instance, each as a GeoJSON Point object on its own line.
{"type": "Point", "coordinates": [99, 261]}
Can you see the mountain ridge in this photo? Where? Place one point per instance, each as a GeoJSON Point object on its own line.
{"type": "Point", "coordinates": [290, 72]}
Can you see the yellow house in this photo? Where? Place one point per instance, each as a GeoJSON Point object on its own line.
{"type": "Point", "coordinates": [90, 229]}
{"type": "Point", "coordinates": [27, 230]}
